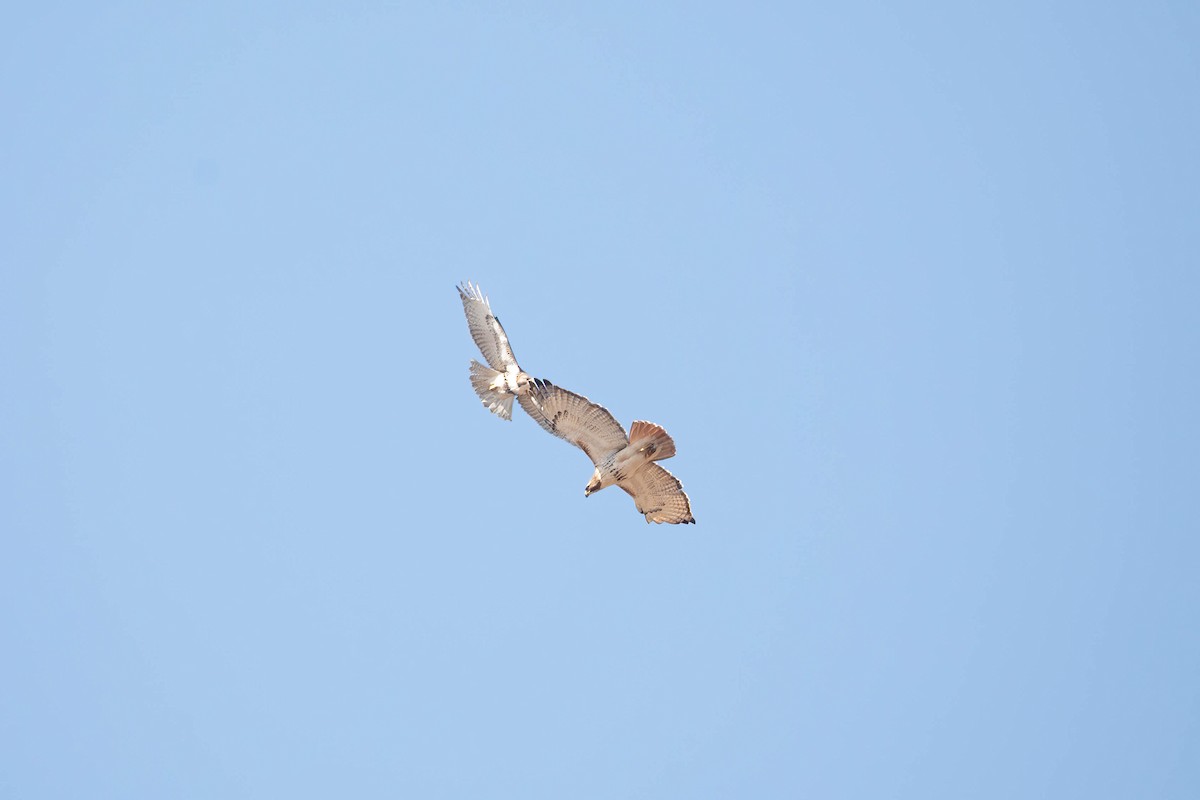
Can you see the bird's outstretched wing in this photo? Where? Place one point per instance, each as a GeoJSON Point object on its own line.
{"type": "Point", "coordinates": [573, 417]}
{"type": "Point", "coordinates": [485, 328]}
{"type": "Point", "coordinates": [659, 495]}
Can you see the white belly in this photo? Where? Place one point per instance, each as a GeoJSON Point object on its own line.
{"type": "Point", "coordinates": [621, 466]}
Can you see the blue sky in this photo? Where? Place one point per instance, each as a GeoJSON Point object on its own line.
{"type": "Point", "coordinates": [912, 286]}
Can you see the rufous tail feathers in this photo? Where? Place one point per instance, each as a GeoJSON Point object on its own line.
{"type": "Point", "coordinates": [651, 439]}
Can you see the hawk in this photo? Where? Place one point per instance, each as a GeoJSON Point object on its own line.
{"type": "Point", "coordinates": [503, 379]}
{"type": "Point", "coordinates": [620, 460]}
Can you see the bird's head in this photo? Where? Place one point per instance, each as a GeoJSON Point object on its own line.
{"type": "Point", "coordinates": [593, 486]}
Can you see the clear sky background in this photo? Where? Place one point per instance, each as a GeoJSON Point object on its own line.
{"type": "Point", "coordinates": [913, 286]}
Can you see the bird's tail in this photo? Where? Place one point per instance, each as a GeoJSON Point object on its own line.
{"type": "Point", "coordinates": [499, 403]}
{"type": "Point", "coordinates": [651, 439]}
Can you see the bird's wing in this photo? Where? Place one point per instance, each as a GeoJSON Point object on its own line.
{"type": "Point", "coordinates": [485, 327]}
{"type": "Point", "coordinates": [659, 495]}
{"type": "Point", "coordinates": [575, 418]}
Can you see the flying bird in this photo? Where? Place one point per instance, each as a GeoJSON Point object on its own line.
{"type": "Point", "coordinates": [503, 379]}
{"type": "Point", "coordinates": [622, 460]}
